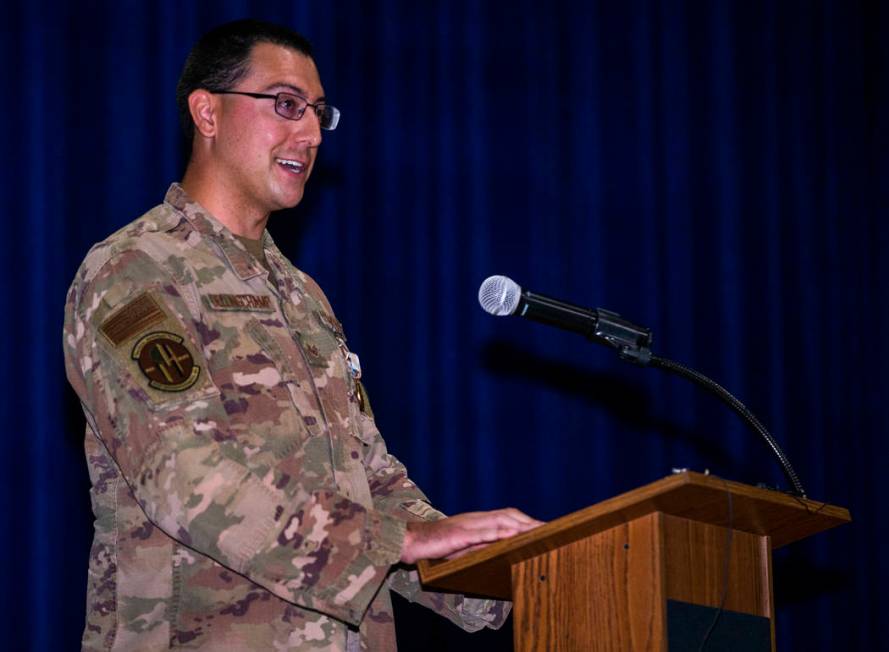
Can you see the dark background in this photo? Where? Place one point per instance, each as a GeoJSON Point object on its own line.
{"type": "Point", "coordinates": [713, 170]}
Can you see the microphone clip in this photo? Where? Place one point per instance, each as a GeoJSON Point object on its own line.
{"type": "Point", "coordinates": [632, 342]}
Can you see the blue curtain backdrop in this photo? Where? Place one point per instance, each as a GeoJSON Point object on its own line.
{"type": "Point", "coordinates": [714, 170]}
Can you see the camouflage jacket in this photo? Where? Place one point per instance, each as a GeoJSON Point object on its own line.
{"type": "Point", "coordinates": [243, 497]}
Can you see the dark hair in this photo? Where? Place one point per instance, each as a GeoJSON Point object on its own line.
{"type": "Point", "coordinates": [220, 58]}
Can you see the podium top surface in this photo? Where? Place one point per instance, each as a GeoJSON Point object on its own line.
{"type": "Point", "coordinates": [694, 496]}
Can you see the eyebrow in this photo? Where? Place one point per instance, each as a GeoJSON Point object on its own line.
{"type": "Point", "coordinates": [295, 89]}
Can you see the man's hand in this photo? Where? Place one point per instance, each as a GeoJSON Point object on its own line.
{"type": "Point", "coordinates": [451, 536]}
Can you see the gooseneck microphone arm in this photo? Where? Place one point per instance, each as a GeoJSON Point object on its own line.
{"type": "Point", "coordinates": [739, 408]}
{"type": "Point", "coordinates": [500, 296]}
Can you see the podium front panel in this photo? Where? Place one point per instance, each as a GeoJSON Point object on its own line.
{"type": "Point", "coordinates": [604, 592]}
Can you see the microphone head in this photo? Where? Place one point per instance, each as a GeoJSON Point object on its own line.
{"type": "Point", "coordinates": [499, 295]}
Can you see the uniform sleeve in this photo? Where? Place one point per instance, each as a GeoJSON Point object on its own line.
{"type": "Point", "coordinates": [394, 492]}
{"type": "Point", "coordinates": [133, 349]}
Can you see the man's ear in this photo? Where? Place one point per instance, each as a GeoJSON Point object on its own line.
{"type": "Point", "coordinates": [202, 105]}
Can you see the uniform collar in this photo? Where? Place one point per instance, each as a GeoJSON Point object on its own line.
{"type": "Point", "coordinates": [239, 259]}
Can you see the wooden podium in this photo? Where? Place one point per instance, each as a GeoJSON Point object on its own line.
{"type": "Point", "coordinates": [646, 570]}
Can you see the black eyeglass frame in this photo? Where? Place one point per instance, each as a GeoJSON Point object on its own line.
{"type": "Point", "coordinates": [317, 107]}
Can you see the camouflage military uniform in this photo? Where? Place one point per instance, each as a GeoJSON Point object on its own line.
{"type": "Point", "coordinates": [243, 499]}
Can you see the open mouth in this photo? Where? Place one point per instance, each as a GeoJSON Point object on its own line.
{"type": "Point", "coordinates": [291, 165]}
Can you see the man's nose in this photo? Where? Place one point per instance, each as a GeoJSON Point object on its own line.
{"type": "Point", "coordinates": [309, 127]}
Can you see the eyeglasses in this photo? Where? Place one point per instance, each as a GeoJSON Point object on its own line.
{"type": "Point", "coordinates": [292, 107]}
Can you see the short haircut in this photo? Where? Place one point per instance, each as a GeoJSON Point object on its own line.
{"type": "Point", "coordinates": [220, 58]}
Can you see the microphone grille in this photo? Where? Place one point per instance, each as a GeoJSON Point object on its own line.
{"type": "Point", "coordinates": [499, 295]}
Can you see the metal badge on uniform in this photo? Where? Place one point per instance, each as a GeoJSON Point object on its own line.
{"type": "Point", "coordinates": [361, 396]}
{"type": "Point", "coordinates": [166, 362]}
{"type": "Point", "coordinates": [354, 365]}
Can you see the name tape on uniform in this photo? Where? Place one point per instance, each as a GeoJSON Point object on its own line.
{"type": "Point", "coordinates": [242, 302]}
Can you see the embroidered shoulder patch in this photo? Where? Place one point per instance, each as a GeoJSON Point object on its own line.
{"type": "Point", "coordinates": [243, 302]}
{"type": "Point", "coordinates": [138, 315]}
{"type": "Point", "coordinates": [166, 362]}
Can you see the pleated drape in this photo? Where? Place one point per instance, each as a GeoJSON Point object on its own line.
{"type": "Point", "coordinates": [716, 171]}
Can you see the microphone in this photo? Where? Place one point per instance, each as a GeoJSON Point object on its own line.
{"type": "Point", "coordinates": [501, 296]}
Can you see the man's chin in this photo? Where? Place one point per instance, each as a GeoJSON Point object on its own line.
{"type": "Point", "coordinates": [287, 192]}
{"type": "Point", "coordinates": [285, 201]}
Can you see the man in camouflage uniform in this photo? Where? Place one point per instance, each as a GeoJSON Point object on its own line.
{"type": "Point", "coordinates": [244, 498]}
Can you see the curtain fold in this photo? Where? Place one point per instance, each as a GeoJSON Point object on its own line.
{"type": "Point", "coordinates": [716, 171]}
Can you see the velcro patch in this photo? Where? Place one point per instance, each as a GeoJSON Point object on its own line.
{"type": "Point", "coordinates": [331, 323]}
{"type": "Point", "coordinates": [138, 315]}
{"type": "Point", "coordinates": [166, 362]}
{"type": "Point", "coordinates": [242, 302]}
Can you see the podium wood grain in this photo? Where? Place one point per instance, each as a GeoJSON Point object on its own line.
{"type": "Point", "coordinates": [618, 570]}
{"type": "Point", "coordinates": [600, 578]}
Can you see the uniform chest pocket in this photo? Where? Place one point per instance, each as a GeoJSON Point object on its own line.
{"type": "Point", "coordinates": [322, 341]}
{"type": "Point", "coordinates": [257, 381]}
